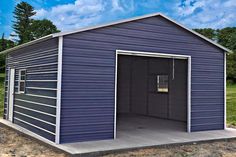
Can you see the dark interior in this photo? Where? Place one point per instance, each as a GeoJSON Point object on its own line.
{"type": "Point", "coordinates": [137, 87]}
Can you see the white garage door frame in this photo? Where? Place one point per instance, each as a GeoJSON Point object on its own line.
{"type": "Point", "coordinates": [160, 55]}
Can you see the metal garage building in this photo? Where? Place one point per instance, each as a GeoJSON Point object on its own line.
{"type": "Point", "coordinates": [87, 84]}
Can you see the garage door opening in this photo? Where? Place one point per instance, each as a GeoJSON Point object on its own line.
{"type": "Point", "coordinates": [152, 95]}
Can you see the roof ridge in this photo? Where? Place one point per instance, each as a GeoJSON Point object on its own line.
{"type": "Point", "coordinates": [114, 23]}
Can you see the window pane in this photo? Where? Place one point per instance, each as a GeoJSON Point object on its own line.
{"type": "Point", "coordinates": [22, 86]}
{"type": "Point", "coordinates": [22, 77]}
{"type": "Point", "coordinates": [23, 72]}
{"type": "Point", "coordinates": [162, 83]}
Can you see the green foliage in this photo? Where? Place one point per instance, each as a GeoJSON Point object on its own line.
{"type": "Point", "coordinates": [28, 29]}
{"type": "Point", "coordinates": [22, 14]}
{"type": "Point", "coordinates": [40, 28]}
{"type": "Point", "coordinates": [207, 32]}
{"type": "Point", "coordinates": [227, 37]}
{"type": "Point", "coordinates": [231, 67]}
{"type": "Point", "coordinates": [4, 44]}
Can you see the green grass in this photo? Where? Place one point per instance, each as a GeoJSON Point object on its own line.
{"type": "Point", "coordinates": [2, 77]}
{"type": "Point", "coordinates": [231, 101]}
{"type": "Point", "coordinates": [231, 104]}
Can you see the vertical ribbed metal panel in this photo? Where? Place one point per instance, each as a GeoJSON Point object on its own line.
{"type": "Point", "coordinates": [36, 108]}
{"type": "Point", "coordinates": [89, 75]}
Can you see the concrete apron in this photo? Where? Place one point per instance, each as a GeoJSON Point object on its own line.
{"type": "Point", "coordinates": [94, 148]}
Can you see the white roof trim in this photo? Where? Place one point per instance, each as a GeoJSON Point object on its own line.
{"type": "Point", "coordinates": [137, 18]}
{"type": "Point", "coordinates": [114, 23]}
{"type": "Point", "coordinates": [198, 34]}
{"type": "Point", "coordinates": [105, 25]}
{"type": "Point", "coordinates": [28, 43]}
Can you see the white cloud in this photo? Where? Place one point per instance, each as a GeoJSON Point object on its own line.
{"type": "Point", "coordinates": [82, 13]}
{"type": "Point", "coordinates": [210, 13]}
{"type": "Point", "coordinates": [230, 3]}
{"type": "Point", "coordinates": [193, 13]}
{"type": "Point", "coordinates": [13, 36]}
{"type": "Point", "coordinates": [116, 5]}
{"type": "Point", "coordinates": [188, 8]}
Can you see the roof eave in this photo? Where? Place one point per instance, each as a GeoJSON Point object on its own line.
{"type": "Point", "coordinates": [28, 43]}
{"type": "Point", "coordinates": [198, 34]}
{"type": "Point", "coordinates": [142, 17]}
{"type": "Point", "coordinates": [114, 23]}
{"type": "Point", "coordinates": [104, 25]}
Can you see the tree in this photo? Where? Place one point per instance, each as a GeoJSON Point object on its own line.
{"type": "Point", "coordinates": [231, 67]}
{"type": "Point", "coordinates": [23, 13]}
{"type": "Point", "coordinates": [227, 37]}
{"type": "Point", "coordinates": [3, 43]}
{"type": "Point", "coordinates": [28, 29]}
{"type": "Point", "coordinates": [40, 28]}
{"type": "Point", "coordinates": [207, 32]}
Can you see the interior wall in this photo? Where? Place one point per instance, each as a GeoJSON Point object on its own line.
{"type": "Point", "coordinates": [137, 87]}
{"type": "Point", "coordinates": [178, 91]}
{"type": "Point", "coordinates": [123, 81]}
{"type": "Point", "coordinates": [138, 93]}
{"type": "Point", "coordinates": [157, 102]}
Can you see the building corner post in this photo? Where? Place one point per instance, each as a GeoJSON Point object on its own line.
{"type": "Point", "coordinates": [225, 105]}
{"type": "Point", "coordinates": [59, 81]}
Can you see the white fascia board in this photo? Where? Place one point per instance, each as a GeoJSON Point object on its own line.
{"type": "Point", "coordinates": [138, 18]}
{"type": "Point", "coordinates": [114, 23]}
{"type": "Point", "coordinates": [104, 25]}
{"type": "Point", "coordinates": [198, 34]}
{"type": "Point", "coordinates": [28, 43]}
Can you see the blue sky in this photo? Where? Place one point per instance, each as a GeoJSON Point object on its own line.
{"type": "Point", "coordinates": [72, 14]}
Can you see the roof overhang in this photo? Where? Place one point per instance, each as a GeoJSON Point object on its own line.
{"type": "Point", "coordinates": [28, 43]}
{"type": "Point", "coordinates": [114, 23]}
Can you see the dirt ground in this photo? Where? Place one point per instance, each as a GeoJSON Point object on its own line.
{"type": "Point", "coordinates": [13, 144]}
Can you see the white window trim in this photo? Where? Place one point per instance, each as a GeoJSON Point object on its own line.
{"type": "Point", "coordinates": [19, 80]}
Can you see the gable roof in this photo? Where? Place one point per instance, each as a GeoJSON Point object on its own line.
{"type": "Point", "coordinates": [115, 23]}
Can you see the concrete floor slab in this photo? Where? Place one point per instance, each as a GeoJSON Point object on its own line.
{"type": "Point", "coordinates": [137, 132]}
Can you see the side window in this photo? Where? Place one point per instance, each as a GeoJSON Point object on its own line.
{"type": "Point", "coordinates": [22, 79]}
{"type": "Point", "coordinates": [162, 83]}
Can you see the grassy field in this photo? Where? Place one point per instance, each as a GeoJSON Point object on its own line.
{"type": "Point", "coordinates": [231, 101]}
{"type": "Point", "coordinates": [231, 105]}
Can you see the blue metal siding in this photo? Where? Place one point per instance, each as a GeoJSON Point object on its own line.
{"type": "Point", "coordinates": [32, 110]}
{"type": "Point", "coordinates": [88, 78]}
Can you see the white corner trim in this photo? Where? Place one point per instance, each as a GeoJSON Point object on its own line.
{"type": "Point", "coordinates": [225, 102]}
{"type": "Point", "coordinates": [189, 94]}
{"type": "Point", "coordinates": [115, 110]}
{"type": "Point", "coordinates": [59, 80]}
